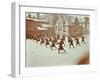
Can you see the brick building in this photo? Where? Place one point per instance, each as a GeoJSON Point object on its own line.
{"type": "Point", "coordinates": [75, 29]}
{"type": "Point", "coordinates": [36, 26]}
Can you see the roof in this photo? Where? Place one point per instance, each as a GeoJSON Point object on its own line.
{"type": "Point", "coordinates": [38, 20]}
{"type": "Point", "coordinates": [41, 28]}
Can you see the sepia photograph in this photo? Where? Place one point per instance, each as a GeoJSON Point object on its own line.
{"type": "Point", "coordinates": [55, 39]}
